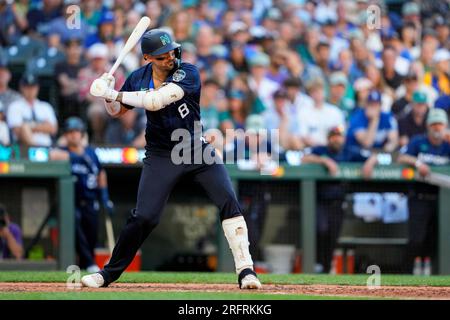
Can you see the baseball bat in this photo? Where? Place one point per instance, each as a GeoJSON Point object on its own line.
{"type": "Point", "coordinates": [109, 233]}
{"type": "Point", "coordinates": [99, 86]}
{"type": "Point", "coordinates": [133, 39]}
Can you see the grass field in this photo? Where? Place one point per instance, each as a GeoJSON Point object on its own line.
{"type": "Point", "coordinates": [133, 286]}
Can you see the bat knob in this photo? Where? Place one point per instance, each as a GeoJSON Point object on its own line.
{"type": "Point", "coordinates": [98, 88]}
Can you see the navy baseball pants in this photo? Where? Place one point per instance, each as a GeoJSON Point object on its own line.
{"type": "Point", "coordinates": [158, 178]}
{"type": "Point", "coordinates": [86, 229]}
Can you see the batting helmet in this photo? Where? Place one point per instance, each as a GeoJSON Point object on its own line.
{"type": "Point", "coordinates": [74, 123]}
{"type": "Point", "coordinates": [157, 41]}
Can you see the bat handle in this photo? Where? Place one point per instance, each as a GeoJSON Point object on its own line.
{"type": "Point", "coordinates": [114, 68]}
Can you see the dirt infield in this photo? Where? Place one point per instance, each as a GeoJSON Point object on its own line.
{"type": "Point", "coordinates": [419, 292]}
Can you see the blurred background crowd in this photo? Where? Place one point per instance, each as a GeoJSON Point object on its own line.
{"type": "Point", "coordinates": [311, 69]}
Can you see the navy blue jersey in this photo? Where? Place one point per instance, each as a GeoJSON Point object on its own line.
{"type": "Point", "coordinates": [180, 114]}
{"type": "Point", "coordinates": [86, 168]}
{"type": "Point", "coordinates": [346, 154]}
{"type": "Point", "coordinates": [420, 147]}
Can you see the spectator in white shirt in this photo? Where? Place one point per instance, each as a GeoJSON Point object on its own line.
{"type": "Point", "coordinates": [4, 130]}
{"type": "Point", "coordinates": [32, 121]}
{"type": "Point", "coordinates": [316, 121]}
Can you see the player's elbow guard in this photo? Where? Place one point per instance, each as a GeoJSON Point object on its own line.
{"type": "Point", "coordinates": [157, 99]}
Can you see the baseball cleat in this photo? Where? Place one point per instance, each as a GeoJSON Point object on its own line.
{"type": "Point", "coordinates": [248, 280]}
{"type": "Point", "coordinates": [94, 280]}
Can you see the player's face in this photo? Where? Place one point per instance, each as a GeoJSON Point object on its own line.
{"type": "Point", "coordinates": [165, 61]}
{"type": "Point", "coordinates": [73, 138]}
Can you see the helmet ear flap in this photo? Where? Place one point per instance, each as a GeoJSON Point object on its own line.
{"type": "Point", "coordinates": [177, 52]}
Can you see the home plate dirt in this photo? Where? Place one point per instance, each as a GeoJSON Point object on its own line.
{"type": "Point", "coordinates": [419, 292]}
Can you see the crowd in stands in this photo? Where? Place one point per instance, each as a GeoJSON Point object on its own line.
{"type": "Point", "coordinates": [306, 68]}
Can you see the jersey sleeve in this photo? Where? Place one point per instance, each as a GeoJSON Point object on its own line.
{"type": "Point", "coordinates": [187, 77]}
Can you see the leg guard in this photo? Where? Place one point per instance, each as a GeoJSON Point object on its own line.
{"type": "Point", "coordinates": [236, 232]}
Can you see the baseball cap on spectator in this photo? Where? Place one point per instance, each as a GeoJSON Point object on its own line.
{"type": "Point", "coordinates": [410, 8]}
{"type": "Point", "coordinates": [107, 17]}
{"type": "Point", "coordinates": [189, 47]}
{"type": "Point", "coordinates": [280, 94]}
{"type": "Point", "coordinates": [273, 13]}
{"type": "Point", "coordinates": [329, 21]}
{"type": "Point", "coordinates": [314, 83]}
{"type": "Point", "coordinates": [219, 51]}
{"type": "Point", "coordinates": [356, 33]}
{"type": "Point", "coordinates": [439, 21]}
{"type": "Point", "coordinates": [374, 96]}
{"type": "Point", "coordinates": [259, 32]}
{"type": "Point", "coordinates": [337, 130]}
{"type": "Point", "coordinates": [419, 97]}
{"type": "Point", "coordinates": [441, 55]}
{"type": "Point", "coordinates": [260, 59]}
{"type": "Point", "coordinates": [237, 26]}
{"type": "Point", "coordinates": [437, 116]}
{"type": "Point", "coordinates": [254, 122]}
{"type": "Point", "coordinates": [388, 34]}
{"type": "Point", "coordinates": [337, 78]}
{"type": "Point", "coordinates": [29, 80]}
{"type": "Point", "coordinates": [362, 84]}
{"type": "Point", "coordinates": [98, 50]}
{"type": "Point", "coordinates": [236, 94]}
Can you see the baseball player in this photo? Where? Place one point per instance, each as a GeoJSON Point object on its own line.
{"type": "Point", "coordinates": [90, 187]}
{"type": "Point", "coordinates": [169, 91]}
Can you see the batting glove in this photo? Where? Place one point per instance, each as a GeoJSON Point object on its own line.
{"type": "Point", "coordinates": [109, 79]}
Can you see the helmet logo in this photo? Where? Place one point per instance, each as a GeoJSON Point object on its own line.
{"type": "Point", "coordinates": [165, 39]}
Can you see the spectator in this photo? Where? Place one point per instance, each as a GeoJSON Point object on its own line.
{"type": "Point", "coordinates": [209, 104]}
{"type": "Point", "coordinates": [32, 121]}
{"type": "Point", "coordinates": [399, 107]}
{"type": "Point", "coordinates": [105, 32]}
{"type": "Point", "coordinates": [392, 78]}
{"type": "Point", "coordinates": [98, 64]}
{"type": "Point", "coordinates": [443, 32]}
{"type": "Point", "coordinates": [67, 76]}
{"type": "Point", "coordinates": [316, 121]}
{"type": "Point", "coordinates": [67, 27]}
{"type": "Point", "coordinates": [413, 122]}
{"type": "Point", "coordinates": [262, 87]}
{"type": "Point", "coordinates": [128, 130]}
{"type": "Point", "coordinates": [331, 195]}
{"type": "Point", "coordinates": [12, 23]}
{"type": "Point", "coordinates": [422, 152]}
{"type": "Point", "coordinates": [378, 83]}
{"type": "Point", "coordinates": [341, 94]}
{"type": "Point", "coordinates": [440, 78]}
{"type": "Point", "coordinates": [371, 128]}
{"type": "Point", "coordinates": [11, 246]}
{"type": "Point", "coordinates": [7, 95]}
{"type": "Point", "coordinates": [39, 18]}
{"type": "Point", "coordinates": [4, 130]}
{"type": "Point", "coordinates": [276, 117]}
